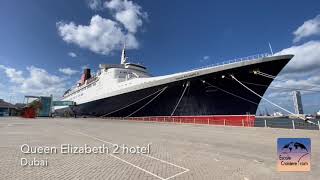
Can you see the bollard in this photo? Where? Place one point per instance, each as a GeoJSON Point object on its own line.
{"type": "Point", "coordinates": [208, 121]}
{"type": "Point", "coordinates": [293, 126]}
{"type": "Point", "coordinates": [242, 123]}
{"type": "Point", "coordinates": [265, 123]}
{"type": "Point", "coordinates": [194, 120]}
{"type": "Point", "coordinates": [319, 125]}
{"type": "Point", "coordinates": [224, 122]}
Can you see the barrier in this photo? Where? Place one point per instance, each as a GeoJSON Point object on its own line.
{"type": "Point", "coordinates": [223, 120]}
{"type": "Point", "coordinates": [286, 123]}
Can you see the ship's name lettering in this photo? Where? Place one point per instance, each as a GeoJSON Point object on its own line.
{"type": "Point", "coordinates": [187, 76]}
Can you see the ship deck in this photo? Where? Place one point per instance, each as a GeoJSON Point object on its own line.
{"type": "Point", "coordinates": [178, 151]}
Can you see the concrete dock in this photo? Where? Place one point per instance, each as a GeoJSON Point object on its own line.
{"type": "Point", "coordinates": [177, 151]}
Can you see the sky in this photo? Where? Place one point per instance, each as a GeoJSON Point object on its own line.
{"type": "Point", "coordinates": [45, 44]}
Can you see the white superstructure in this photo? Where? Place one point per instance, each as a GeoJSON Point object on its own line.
{"type": "Point", "coordinates": [110, 78]}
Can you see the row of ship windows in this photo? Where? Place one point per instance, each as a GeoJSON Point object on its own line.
{"type": "Point", "coordinates": [131, 83]}
{"type": "Point", "coordinates": [123, 72]}
{"type": "Point", "coordinates": [80, 90]}
{"type": "Point", "coordinates": [76, 96]}
{"type": "Point", "coordinates": [120, 72]}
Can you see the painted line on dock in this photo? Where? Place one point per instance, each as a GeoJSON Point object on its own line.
{"type": "Point", "coordinates": [144, 170]}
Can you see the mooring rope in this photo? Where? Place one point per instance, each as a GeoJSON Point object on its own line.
{"type": "Point", "coordinates": [270, 101]}
{"type": "Point", "coordinates": [264, 74]}
{"type": "Point", "coordinates": [185, 88]}
{"type": "Point", "coordinates": [132, 103]}
{"type": "Point", "coordinates": [148, 102]}
{"type": "Point", "coordinates": [230, 93]}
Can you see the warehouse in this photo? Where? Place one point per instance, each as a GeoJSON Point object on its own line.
{"type": "Point", "coordinates": [7, 109]}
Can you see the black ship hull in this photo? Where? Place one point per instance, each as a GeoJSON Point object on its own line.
{"type": "Point", "coordinates": [211, 94]}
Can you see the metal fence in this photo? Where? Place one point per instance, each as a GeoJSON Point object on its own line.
{"type": "Point", "coordinates": [247, 122]}
{"type": "Point", "coordinates": [287, 123]}
{"type": "Point", "coordinates": [244, 121]}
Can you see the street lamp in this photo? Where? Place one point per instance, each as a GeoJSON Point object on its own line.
{"type": "Point", "coordinates": [10, 96]}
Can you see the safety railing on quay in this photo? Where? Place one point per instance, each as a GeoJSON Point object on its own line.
{"type": "Point", "coordinates": [244, 122]}
{"type": "Point", "coordinates": [288, 124]}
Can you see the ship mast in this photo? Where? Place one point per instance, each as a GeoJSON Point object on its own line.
{"type": "Point", "coordinates": [123, 55]}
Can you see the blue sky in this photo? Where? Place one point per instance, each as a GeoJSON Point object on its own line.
{"type": "Point", "coordinates": [46, 43]}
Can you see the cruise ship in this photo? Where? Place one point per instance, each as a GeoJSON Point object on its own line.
{"type": "Point", "coordinates": [128, 90]}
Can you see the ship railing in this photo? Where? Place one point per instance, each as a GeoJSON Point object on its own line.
{"type": "Point", "coordinates": [236, 60]}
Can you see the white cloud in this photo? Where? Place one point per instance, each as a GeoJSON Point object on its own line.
{"type": "Point", "coordinates": [306, 57]}
{"type": "Point", "coordinates": [72, 54]}
{"type": "Point", "coordinates": [307, 85]}
{"type": "Point", "coordinates": [128, 13]}
{"type": "Point", "coordinates": [105, 35]}
{"type": "Point", "coordinates": [100, 36]}
{"type": "Point", "coordinates": [14, 75]}
{"type": "Point", "coordinates": [37, 82]}
{"type": "Point", "coordinates": [95, 4]}
{"type": "Point", "coordinates": [301, 73]}
{"type": "Point", "coordinates": [308, 28]}
{"type": "Point", "coordinates": [206, 57]}
{"type": "Point", "coordinates": [68, 71]}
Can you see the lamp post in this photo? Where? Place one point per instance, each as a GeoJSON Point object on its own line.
{"type": "Point", "coordinates": [9, 104]}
